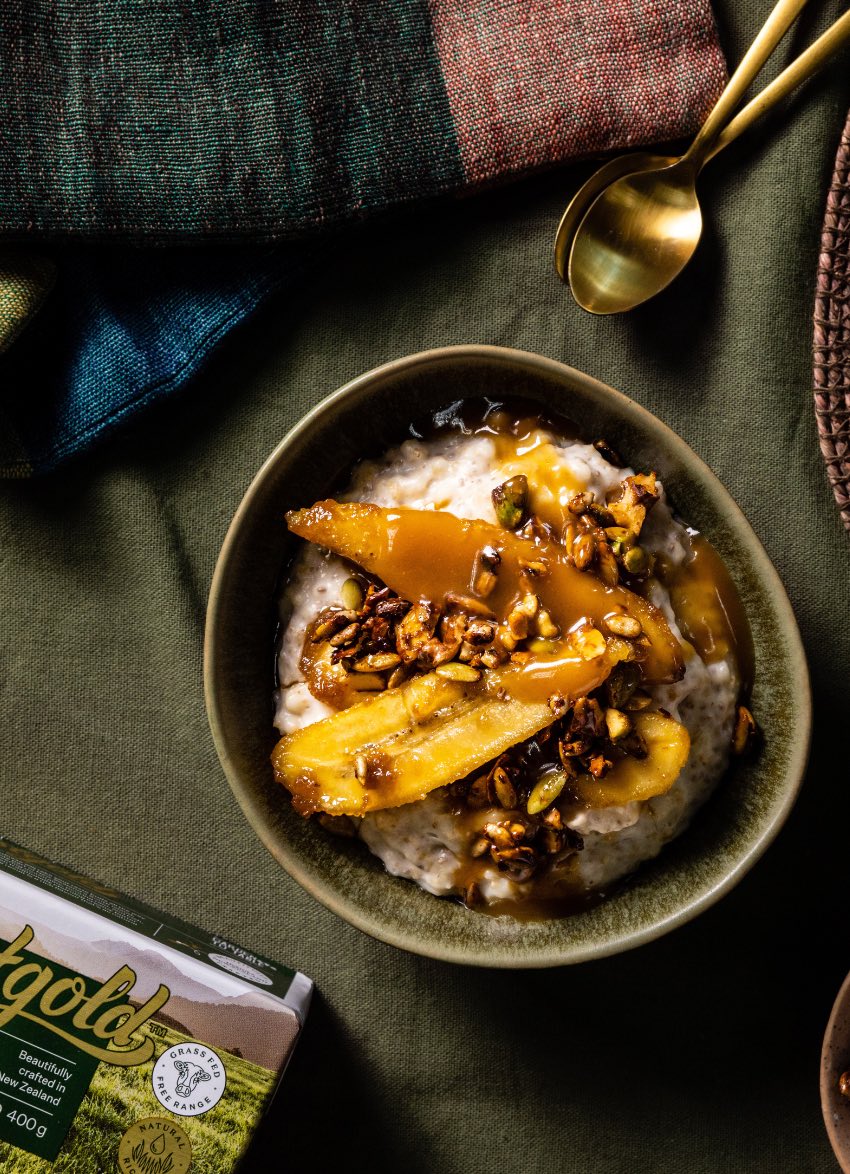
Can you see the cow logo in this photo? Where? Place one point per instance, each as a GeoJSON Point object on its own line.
{"type": "Point", "coordinates": [154, 1145]}
{"type": "Point", "coordinates": [189, 1079]}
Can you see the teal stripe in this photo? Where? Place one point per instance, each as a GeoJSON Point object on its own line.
{"type": "Point", "coordinates": [176, 118]}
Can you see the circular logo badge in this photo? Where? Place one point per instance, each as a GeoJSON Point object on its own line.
{"type": "Point", "coordinates": [154, 1144]}
{"type": "Point", "coordinates": [189, 1079]}
{"type": "Point", "coordinates": [235, 966]}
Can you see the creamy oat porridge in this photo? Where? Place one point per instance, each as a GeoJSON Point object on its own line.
{"type": "Point", "coordinates": [505, 665]}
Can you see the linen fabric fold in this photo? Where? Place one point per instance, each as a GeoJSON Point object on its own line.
{"type": "Point", "coordinates": [166, 120]}
{"type": "Point", "coordinates": [214, 122]}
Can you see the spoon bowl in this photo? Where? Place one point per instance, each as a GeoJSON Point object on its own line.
{"type": "Point", "coordinates": [587, 193]}
{"type": "Point", "coordinates": [636, 236]}
{"type": "Point", "coordinates": [635, 224]}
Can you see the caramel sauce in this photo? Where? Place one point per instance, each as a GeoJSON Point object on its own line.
{"type": "Point", "coordinates": [550, 482]}
{"type": "Point", "coordinates": [431, 555]}
{"type": "Point", "coordinates": [709, 610]}
{"type": "Point", "coordinates": [565, 903]}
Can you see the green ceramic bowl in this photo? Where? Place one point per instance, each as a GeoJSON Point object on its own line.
{"type": "Point", "coordinates": [363, 419]}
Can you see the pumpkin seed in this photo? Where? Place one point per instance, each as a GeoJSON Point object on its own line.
{"type": "Point", "coordinates": [351, 594]}
{"type": "Point", "coordinates": [454, 671]}
{"type": "Point", "coordinates": [504, 789]}
{"type": "Point", "coordinates": [545, 791]}
{"type": "Point", "coordinates": [377, 662]}
{"type": "Point", "coordinates": [623, 625]}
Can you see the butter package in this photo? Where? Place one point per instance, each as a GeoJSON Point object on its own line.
{"type": "Point", "coordinates": [129, 1042]}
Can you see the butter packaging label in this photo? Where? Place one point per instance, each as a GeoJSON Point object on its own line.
{"type": "Point", "coordinates": [128, 1041]}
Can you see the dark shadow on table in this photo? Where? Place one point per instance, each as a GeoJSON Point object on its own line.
{"type": "Point", "coordinates": [333, 1113]}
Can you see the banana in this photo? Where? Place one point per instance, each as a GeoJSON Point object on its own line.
{"type": "Point", "coordinates": [668, 744]}
{"type": "Point", "coordinates": [397, 746]}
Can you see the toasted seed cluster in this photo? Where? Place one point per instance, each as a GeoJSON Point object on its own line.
{"type": "Point", "coordinates": [363, 635]}
{"type": "Point", "coordinates": [389, 639]}
{"type": "Point", "coordinates": [602, 537]}
{"type": "Point", "coordinates": [530, 782]}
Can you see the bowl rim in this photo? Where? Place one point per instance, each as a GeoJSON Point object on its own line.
{"type": "Point", "coordinates": [646, 421]}
{"type": "Point", "coordinates": [841, 1150]}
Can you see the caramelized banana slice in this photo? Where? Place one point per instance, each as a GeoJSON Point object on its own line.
{"type": "Point", "coordinates": [668, 744]}
{"type": "Point", "coordinates": [427, 554]}
{"type": "Point", "coordinates": [396, 747]}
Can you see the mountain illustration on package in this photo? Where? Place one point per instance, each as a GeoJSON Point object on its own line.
{"type": "Point", "coordinates": [130, 1041]}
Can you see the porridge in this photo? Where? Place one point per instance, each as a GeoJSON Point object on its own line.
{"type": "Point", "coordinates": [505, 665]}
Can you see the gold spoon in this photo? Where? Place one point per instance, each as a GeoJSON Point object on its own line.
{"type": "Point", "coordinates": [774, 29]}
{"type": "Point", "coordinates": [641, 225]}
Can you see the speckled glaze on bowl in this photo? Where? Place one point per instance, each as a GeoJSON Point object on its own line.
{"type": "Point", "coordinates": [835, 1059]}
{"type": "Point", "coordinates": [366, 417]}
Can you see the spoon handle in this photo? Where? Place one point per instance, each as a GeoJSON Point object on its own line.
{"type": "Point", "coordinates": [800, 70]}
{"type": "Point", "coordinates": [772, 32]}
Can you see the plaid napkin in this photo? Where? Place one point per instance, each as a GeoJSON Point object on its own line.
{"type": "Point", "coordinates": [167, 122]}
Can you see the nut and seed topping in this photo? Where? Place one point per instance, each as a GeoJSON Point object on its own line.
{"type": "Point", "coordinates": [580, 503]}
{"type": "Point", "coordinates": [534, 568]}
{"type": "Point", "coordinates": [351, 594]}
{"type": "Point", "coordinates": [485, 571]}
{"type": "Point", "coordinates": [607, 567]}
{"type": "Point", "coordinates": [635, 561]}
{"type": "Point", "coordinates": [622, 683]}
{"type": "Point", "coordinates": [415, 630]}
{"type": "Point", "coordinates": [468, 603]}
{"type": "Point", "coordinates": [624, 625]}
{"type": "Point", "coordinates": [617, 723]}
{"type": "Point", "coordinates": [347, 636]}
{"type": "Point", "coordinates": [458, 672]}
{"type": "Point", "coordinates": [583, 551]}
{"type": "Point", "coordinates": [503, 789]}
{"type": "Point", "coordinates": [479, 631]}
{"type": "Point", "coordinates": [745, 733]}
{"type": "Point", "coordinates": [485, 583]}
{"type": "Point", "coordinates": [510, 501]}
{"type": "Point", "coordinates": [546, 790]}
{"type": "Point", "coordinates": [546, 626]}
{"type": "Point", "coordinates": [589, 643]}
{"type": "Point", "coordinates": [376, 662]}
{"type": "Point", "coordinates": [520, 862]}
{"type": "Point", "coordinates": [499, 835]}
{"type": "Point", "coordinates": [557, 704]}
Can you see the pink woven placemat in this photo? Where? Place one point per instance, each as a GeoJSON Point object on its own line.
{"type": "Point", "coordinates": [832, 332]}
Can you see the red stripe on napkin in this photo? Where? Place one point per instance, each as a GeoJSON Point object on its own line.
{"type": "Point", "coordinates": [532, 82]}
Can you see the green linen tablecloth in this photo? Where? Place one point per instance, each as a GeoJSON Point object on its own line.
{"type": "Point", "coordinates": [697, 1053]}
